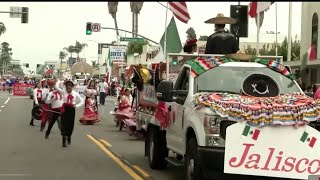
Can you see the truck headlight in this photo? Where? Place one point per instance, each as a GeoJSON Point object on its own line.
{"type": "Point", "coordinates": [211, 126]}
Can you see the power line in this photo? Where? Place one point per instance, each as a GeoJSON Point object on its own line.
{"type": "Point", "coordinates": [164, 6]}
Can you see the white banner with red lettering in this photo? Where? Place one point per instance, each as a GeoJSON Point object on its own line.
{"type": "Point", "coordinates": [283, 151]}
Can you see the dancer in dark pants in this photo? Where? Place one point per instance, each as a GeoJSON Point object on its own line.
{"type": "Point", "coordinates": [38, 98]}
{"type": "Point", "coordinates": [68, 110]}
{"type": "Point", "coordinates": [103, 86]}
{"type": "Point", "coordinates": [55, 100]}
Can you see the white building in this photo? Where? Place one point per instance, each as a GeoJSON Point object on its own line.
{"type": "Point", "coordinates": [309, 35]}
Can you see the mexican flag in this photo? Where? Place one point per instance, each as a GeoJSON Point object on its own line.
{"type": "Point", "coordinates": [173, 42]}
{"type": "Point", "coordinates": [48, 70]}
{"type": "Point", "coordinates": [258, 7]}
{"type": "Point", "coordinates": [305, 138]}
{"type": "Point", "coordinates": [249, 131]}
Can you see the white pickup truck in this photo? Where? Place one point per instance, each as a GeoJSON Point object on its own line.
{"type": "Point", "coordinates": [198, 136]}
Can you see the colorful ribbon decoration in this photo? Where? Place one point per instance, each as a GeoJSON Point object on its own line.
{"type": "Point", "coordinates": [289, 109]}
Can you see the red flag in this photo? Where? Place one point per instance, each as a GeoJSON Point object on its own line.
{"type": "Point", "coordinates": [180, 11]}
{"type": "Point", "coordinates": [312, 53]}
{"type": "Point", "coordinates": [49, 71]}
{"type": "Point", "coordinates": [257, 7]}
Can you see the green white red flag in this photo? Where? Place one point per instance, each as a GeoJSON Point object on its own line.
{"type": "Point", "coordinates": [251, 132]}
{"type": "Point", "coordinates": [305, 138]}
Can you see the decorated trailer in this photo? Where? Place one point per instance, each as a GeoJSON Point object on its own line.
{"type": "Point", "coordinates": [233, 114]}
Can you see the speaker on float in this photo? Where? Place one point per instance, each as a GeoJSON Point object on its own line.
{"type": "Point", "coordinates": [239, 13]}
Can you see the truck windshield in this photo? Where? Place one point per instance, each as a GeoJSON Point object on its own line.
{"type": "Point", "coordinates": [229, 79]}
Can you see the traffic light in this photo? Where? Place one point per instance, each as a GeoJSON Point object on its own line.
{"type": "Point", "coordinates": [174, 62]}
{"type": "Point", "coordinates": [25, 15]}
{"type": "Point", "coordinates": [27, 65]}
{"type": "Point", "coordinates": [89, 28]}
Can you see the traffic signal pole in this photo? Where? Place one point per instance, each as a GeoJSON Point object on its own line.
{"type": "Point", "coordinates": [24, 13]}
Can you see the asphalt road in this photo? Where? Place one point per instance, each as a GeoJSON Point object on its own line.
{"type": "Point", "coordinates": [97, 152]}
{"type": "Point", "coordinates": [26, 154]}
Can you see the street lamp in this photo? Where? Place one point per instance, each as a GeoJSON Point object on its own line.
{"type": "Point", "coordinates": [276, 33]}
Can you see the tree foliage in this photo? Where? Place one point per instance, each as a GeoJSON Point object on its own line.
{"type": "Point", "coordinates": [266, 50]}
{"type": "Point", "coordinates": [136, 47]}
{"type": "Point", "coordinates": [62, 55]}
{"type": "Point", "coordinates": [3, 28]}
{"type": "Point", "coordinates": [5, 55]}
{"type": "Point", "coordinates": [79, 47]}
{"type": "Point", "coordinates": [113, 9]}
{"type": "Point", "coordinates": [191, 33]}
{"type": "Point", "coordinates": [203, 38]}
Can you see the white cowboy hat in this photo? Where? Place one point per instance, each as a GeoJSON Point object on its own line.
{"type": "Point", "coordinates": [240, 56]}
{"type": "Point", "coordinates": [221, 19]}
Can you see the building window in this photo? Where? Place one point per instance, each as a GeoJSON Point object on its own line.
{"type": "Point", "coordinates": [314, 34]}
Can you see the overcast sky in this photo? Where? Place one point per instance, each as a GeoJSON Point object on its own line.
{"type": "Point", "coordinates": [54, 25]}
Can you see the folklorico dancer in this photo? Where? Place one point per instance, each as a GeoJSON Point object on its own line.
{"type": "Point", "coordinates": [54, 98]}
{"type": "Point", "coordinates": [190, 46]}
{"type": "Point", "coordinates": [68, 109]}
{"type": "Point", "coordinates": [90, 114]}
{"type": "Point", "coordinates": [45, 105]}
{"type": "Point", "coordinates": [38, 97]}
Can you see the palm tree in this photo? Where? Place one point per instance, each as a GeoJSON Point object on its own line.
{"type": "Point", "coordinates": [6, 53]}
{"type": "Point", "coordinates": [79, 47]}
{"type": "Point", "coordinates": [191, 33]}
{"type": "Point", "coordinates": [70, 50]}
{"type": "Point", "coordinates": [62, 55]}
{"type": "Point", "coordinates": [136, 7]}
{"type": "Point", "coordinates": [113, 8]}
{"type": "Point", "coordinates": [3, 28]}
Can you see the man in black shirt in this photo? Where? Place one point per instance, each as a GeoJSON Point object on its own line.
{"type": "Point", "coordinates": [222, 41]}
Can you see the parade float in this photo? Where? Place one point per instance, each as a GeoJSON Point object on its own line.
{"type": "Point", "coordinates": [240, 114]}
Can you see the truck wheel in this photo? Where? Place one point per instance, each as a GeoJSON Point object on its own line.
{"type": "Point", "coordinates": [193, 169]}
{"type": "Point", "coordinates": [157, 149]}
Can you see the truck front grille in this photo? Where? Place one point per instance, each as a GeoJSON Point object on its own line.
{"type": "Point", "coordinates": [223, 127]}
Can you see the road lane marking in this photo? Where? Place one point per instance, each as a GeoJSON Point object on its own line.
{"type": "Point", "coordinates": [116, 159]}
{"type": "Point", "coordinates": [2, 106]}
{"type": "Point", "coordinates": [7, 101]}
{"type": "Point", "coordinates": [105, 142]}
{"type": "Point", "coordinates": [143, 172]}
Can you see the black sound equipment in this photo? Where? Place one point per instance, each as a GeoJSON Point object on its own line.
{"type": "Point", "coordinates": [240, 14]}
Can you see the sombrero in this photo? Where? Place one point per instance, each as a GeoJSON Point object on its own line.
{"type": "Point", "coordinates": [221, 19]}
{"type": "Point", "coordinates": [260, 85]}
{"type": "Point", "coordinates": [36, 112]}
{"type": "Point", "coordinates": [145, 74]}
{"type": "Point", "coordinates": [240, 56]}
